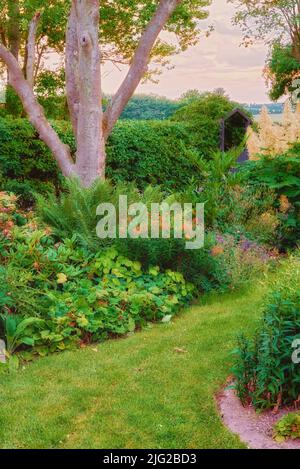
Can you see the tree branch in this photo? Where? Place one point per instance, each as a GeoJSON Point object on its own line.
{"type": "Point", "coordinates": [36, 114]}
{"type": "Point", "coordinates": [30, 49]}
{"type": "Point", "coordinates": [139, 64]}
{"type": "Point", "coordinates": [72, 86]}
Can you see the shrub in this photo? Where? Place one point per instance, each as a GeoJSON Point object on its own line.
{"type": "Point", "coordinates": [287, 427]}
{"type": "Point", "coordinates": [26, 165]}
{"type": "Point", "coordinates": [281, 174]}
{"type": "Point", "coordinates": [73, 215]}
{"type": "Point", "coordinates": [144, 152]}
{"type": "Point", "coordinates": [202, 117]}
{"type": "Point", "coordinates": [74, 212]}
{"type": "Point", "coordinates": [226, 262]}
{"type": "Point", "coordinates": [265, 373]}
{"type": "Point", "coordinates": [145, 107]}
{"type": "Point", "coordinates": [150, 153]}
{"type": "Point", "coordinates": [250, 210]}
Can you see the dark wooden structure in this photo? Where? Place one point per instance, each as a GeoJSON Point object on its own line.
{"type": "Point", "coordinates": [236, 119]}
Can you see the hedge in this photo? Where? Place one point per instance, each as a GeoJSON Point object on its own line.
{"type": "Point", "coordinates": [150, 152]}
{"type": "Point", "coordinates": [144, 152]}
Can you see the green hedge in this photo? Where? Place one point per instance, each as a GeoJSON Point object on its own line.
{"type": "Point", "coordinates": [26, 164]}
{"type": "Point", "coordinates": [149, 152]}
{"type": "Point", "coordinates": [202, 118]}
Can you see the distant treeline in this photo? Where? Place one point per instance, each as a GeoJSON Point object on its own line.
{"type": "Point", "coordinates": [151, 107]}
{"type": "Point", "coordinates": [140, 107]}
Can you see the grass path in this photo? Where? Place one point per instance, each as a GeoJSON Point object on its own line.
{"type": "Point", "coordinates": [133, 393]}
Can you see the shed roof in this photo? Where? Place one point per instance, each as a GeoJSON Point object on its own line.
{"type": "Point", "coordinates": [241, 113]}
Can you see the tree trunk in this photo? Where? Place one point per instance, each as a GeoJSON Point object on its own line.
{"type": "Point", "coordinates": [13, 44]}
{"type": "Point", "coordinates": [14, 33]}
{"type": "Point", "coordinates": [296, 51]}
{"type": "Point", "coordinates": [83, 76]}
{"type": "Point", "coordinates": [90, 153]}
{"type": "Point", "coordinates": [30, 50]}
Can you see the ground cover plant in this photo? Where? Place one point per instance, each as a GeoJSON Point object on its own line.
{"type": "Point", "coordinates": [55, 294]}
{"type": "Point", "coordinates": [287, 427]}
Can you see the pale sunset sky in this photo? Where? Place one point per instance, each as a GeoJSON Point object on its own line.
{"type": "Point", "coordinates": [217, 61]}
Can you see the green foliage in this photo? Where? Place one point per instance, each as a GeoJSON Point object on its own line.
{"type": "Point", "coordinates": [202, 117]}
{"type": "Point", "coordinates": [13, 105]}
{"type": "Point", "coordinates": [281, 174]}
{"type": "Point", "coordinates": [273, 21]}
{"type": "Point", "coordinates": [74, 212]}
{"type": "Point", "coordinates": [50, 90]}
{"type": "Point", "coordinates": [18, 331]}
{"type": "Point", "coordinates": [150, 153]}
{"type": "Point", "coordinates": [54, 294]}
{"type": "Point", "coordinates": [214, 179]}
{"type": "Point", "coordinates": [226, 262]}
{"type": "Point", "coordinates": [287, 427]}
{"type": "Point", "coordinates": [26, 165]}
{"type": "Point", "coordinates": [264, 370]}
{"type": "Point", "coordinates": [283, 68]}
{"type": "Point", "coordinates": [144, 152]}
{"type": "Point", "coordinates": [150, 107]}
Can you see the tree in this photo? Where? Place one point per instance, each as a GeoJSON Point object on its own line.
{"type": "Point", "coordinates": [120, 26]}
{"type": "Point", "coordinates": [83, 82]}
{"type": "Point", "coordinates": [282, 71]}
{"type": "Point", "coordinates": [274, 21]}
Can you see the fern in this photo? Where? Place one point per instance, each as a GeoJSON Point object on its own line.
{"type": "Point", "coordinates": [73, 213]}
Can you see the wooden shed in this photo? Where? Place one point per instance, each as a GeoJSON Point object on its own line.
{"type": "Point", "coordinates": [235, 120]}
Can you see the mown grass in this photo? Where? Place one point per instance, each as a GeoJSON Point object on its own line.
{"type": "Point", "coordinates": [137, 392]}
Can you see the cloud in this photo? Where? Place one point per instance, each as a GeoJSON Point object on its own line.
{"type": "Point", "coordinates": [217, 61]}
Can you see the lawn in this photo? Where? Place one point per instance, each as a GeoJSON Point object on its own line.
{"type": "Point", "coordinates": [138, 392]}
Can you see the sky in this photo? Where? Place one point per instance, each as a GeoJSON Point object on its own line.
{"type": "Point", "coordinates": [217, 61]}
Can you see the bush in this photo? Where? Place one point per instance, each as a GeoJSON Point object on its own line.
{"type": "Point", "coordinates": [202, 117]}
{"type": "Point", "coordinates": [144, 152]}
{"type": "Point", "coordinates": [74, 212]}
{"type": "Point", "coordinates": [73, 215]}
{"type": "Point", "coordinates": [145, 107]}
{"type": "Point", "coordinates": [281, 174]}
{"type": "Point", "coordinates": [150, 153]}
{"type": "Point", "coordinates": [287, 427]}
{"type": "Point", "coordinates": [26, 165]}
{"type": "Point", "coordinates": [266, 375]}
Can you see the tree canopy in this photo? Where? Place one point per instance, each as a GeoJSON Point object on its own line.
{"type": "Point", "coordinates": [120, 27]}
{"type": "Point", "coordinates": [269, 20]}
{"type": "Point", "coordinates": [282, 71]}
